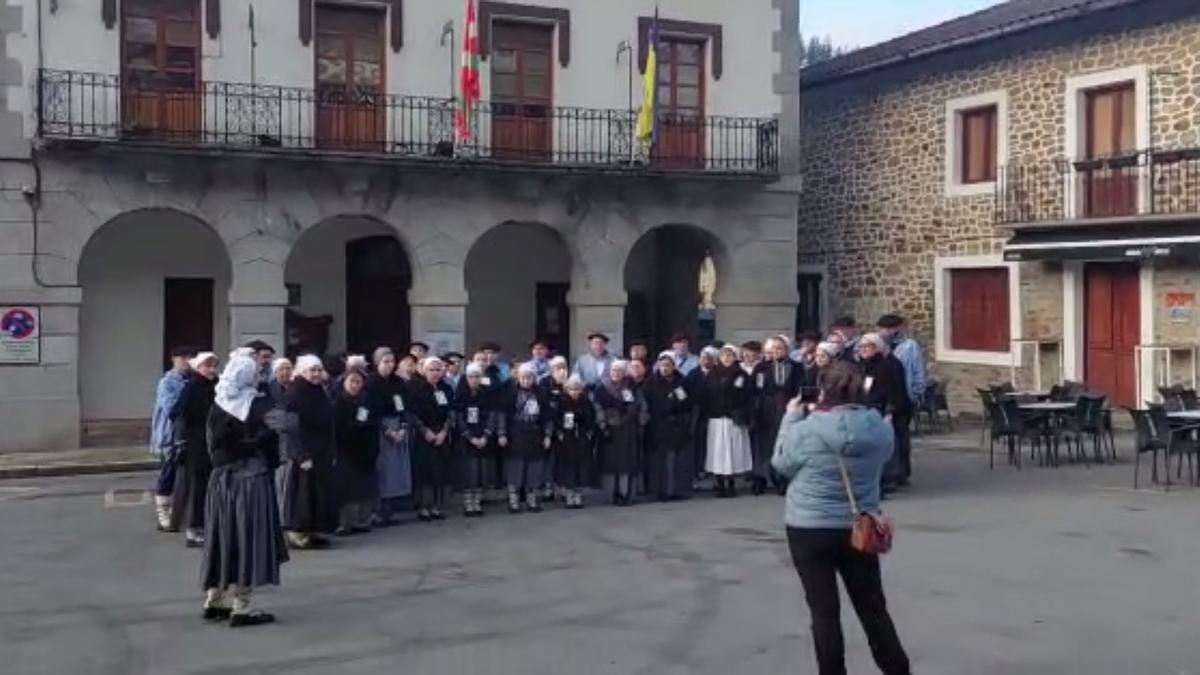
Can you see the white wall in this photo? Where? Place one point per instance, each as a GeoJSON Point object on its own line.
{"type": "Point", "coordinates": [503, 270]}
{"type": "Point", "coordinates": [121, 320]}
{"type": "Point", "coordinates": [318, 264]}
{"type": "Point", "coordinates": [75, 39]}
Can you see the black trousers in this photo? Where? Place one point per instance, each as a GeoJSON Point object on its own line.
{"type": "Point", "coordinates": [899, 467]}
{"type": "Point", "coordinates": [820, 555]}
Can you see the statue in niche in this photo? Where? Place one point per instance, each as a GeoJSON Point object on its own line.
{"type": "Point", "coordinates": [708, 283]}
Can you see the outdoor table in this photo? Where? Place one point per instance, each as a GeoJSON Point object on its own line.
{"type": "Point", "coordinates": [1186, 415]}
{"type": "Point", "coordinates": [1049, 406]}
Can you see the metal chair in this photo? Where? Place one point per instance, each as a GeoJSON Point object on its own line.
{"type": "Point", "coordinates": [1088, 420]}
{"type": "Point", "coordinates": [1008, 423]}
{"type": "Point", "coordinates": [1154, 434]}
{"type": "Point", "coordinates": [935, 402]}
{"type": "Point", "coordinates": [1191, 401]}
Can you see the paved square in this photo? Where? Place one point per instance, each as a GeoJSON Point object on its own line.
{"type": "Point", "coordinates": [1043, 571]}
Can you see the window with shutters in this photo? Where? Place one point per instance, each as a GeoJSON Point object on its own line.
{"type": "Point", "coordinates": [979, 319]}
{"type": "Point", "coordinates": [160, 68]}
{"type": "Point", "coordinates": [976, 144]}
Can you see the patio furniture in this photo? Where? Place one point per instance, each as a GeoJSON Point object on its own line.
{"type": "Point", "coordinates": [1155, 434]}
{"type": "Point", "coordinates": [935, 402]}
{"type": "Point", "coordinates": [1087, 420]}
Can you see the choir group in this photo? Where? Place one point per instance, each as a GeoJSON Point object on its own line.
{"type": "Point", "coordinates": [274, 455]}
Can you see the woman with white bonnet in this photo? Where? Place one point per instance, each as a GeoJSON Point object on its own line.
{"type": "Point", "coordinates": [726, 396]}
{"type": "Point", "coordinates": [243, 542]}
{"type": "Point", "coordinates": [474, 421]}
{"type": "Point", "coordinates": [575, 438]}
{"type": "Point", "coordinates": [706, 362]}
{"type": "Point", "coordinates": [433, 454]}
{"type": "Point", "coordinates": [306, 476]}
{"type": "Point", "coordinates": [188, 419]}
{"type": "Point", "coordinates": [281, 376]}
{"type": "Point", "coordinates": [827, 352]}
{"type": "Point", "coordinates": [621, 416]}
{"type": "Point", "coordinates": [525, 431]}
{"type": "Point", "coordinates": [387, 395]}
{"type": "Point", "coordinates": [553, 387]}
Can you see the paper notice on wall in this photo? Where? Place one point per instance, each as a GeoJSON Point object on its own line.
{"type": "Point", "coordinates": [1180, 307]}
{"type": "Point", "coordinates": [20, 335]}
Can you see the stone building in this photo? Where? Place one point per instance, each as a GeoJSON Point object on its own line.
{"type": "Point", "coordinates": [213, 171]}
{"type": "Point", "coordinates": [1024, 184]}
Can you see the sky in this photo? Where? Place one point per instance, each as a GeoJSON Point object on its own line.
{"type": "Point", "coordinates": [861, 23]}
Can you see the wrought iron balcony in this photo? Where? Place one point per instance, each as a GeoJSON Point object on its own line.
{"type": "Point", "coordinates": [266, 118]}
{"type": "Point", "coordinates": [1138, 185]}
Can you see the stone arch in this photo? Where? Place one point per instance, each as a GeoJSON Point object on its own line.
{"type": "Point", "coordinates": [661, 280]}
{"type": "Point", "coordinates": [148, 276]}
{"type": "Point", "coordinates": [518, 276]}
{"type": "Point", "coordinates": [348, 279]}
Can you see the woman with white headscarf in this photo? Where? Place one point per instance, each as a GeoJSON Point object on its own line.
{"type": "Point", "coordinates": [621, 416]}
{"type": "Point", "coordinates": [309, 505]}
{"type": "Point", "coordinates": [433, 455]}
{"type": "Point", "coordinates": [188, 419]}
{"type": "Point", "coordinates": [474, 422]}
{"type": "Point", "coordinates": [388, 396]}
{"type": "Point", "coordinates": [727, 397]}
{"type": "Point", "coordinates": [526, 428]}
{"type": "Point", "coordinates": [281, 376]}
{"type": "Point", "coordinates": [706, 362]}
{"type": "Point", "coordinates": [243, 540]}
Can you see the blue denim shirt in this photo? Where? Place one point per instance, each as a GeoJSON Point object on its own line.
{"type": "Point", "coordinates": [806, 454]}
{"type": "Point", "coordinates": [908, 352]}
{"type": "Point", "coordinates": [162, 432]}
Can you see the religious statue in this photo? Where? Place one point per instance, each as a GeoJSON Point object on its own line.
{"type": "Point", "coordinates": [708, 283]}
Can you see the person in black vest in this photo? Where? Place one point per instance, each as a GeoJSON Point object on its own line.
{"type": "Point", "coordinates": [474, 432]}
{"type": "Point", "coordinates": [525, 435]}
{"type": "Point", "coordinates": [433, 458]}
{"type": "Point", "coordinates": [887, 391]}
{"type": "Point", "coordinates": [777, 380]}
{"type": "Point", "coordinates": [575, 438]}
{"type": "Point", "coordinates": [672, 419]}
{"type": "Point", "coordinates": [356, 446]}
{"type": "Point", "coordinates": [188, 420]}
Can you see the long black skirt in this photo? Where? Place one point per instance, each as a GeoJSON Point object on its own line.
{"type": "Point", "coordinates": [621, 452]}
{"type": "Point", "coordinates": [573, 463]}
{"type": "Point", "coordinates": [432, 467]}
{"type": "Point", "coordinates": [191, 486]}
{"type": "Point", "coordinates": [243, 540]}
{"type": "Point", "coordinates": [671, 466]}
{"type": "Point", "coordinates": [765, 434]}
{"type": "Point", "coordinates": [308, 498]}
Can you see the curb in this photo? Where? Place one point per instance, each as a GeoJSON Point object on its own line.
{"type": "Point", "coordinates": [52, 470]}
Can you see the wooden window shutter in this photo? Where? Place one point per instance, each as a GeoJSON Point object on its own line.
{"type": "Point", "coordinates": [108, 12]}
{"type": "Point", "coordinates": [979, 309]}
{"type": "Point", "coordinates": [395, 23]}
{"type": "Point", "coordinates": [212, 17]}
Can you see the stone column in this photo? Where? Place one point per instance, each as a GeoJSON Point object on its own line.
{"type": "Point", "coordinates": [257, 296]}
{"type": "Point", "coordinates": [439, 314]}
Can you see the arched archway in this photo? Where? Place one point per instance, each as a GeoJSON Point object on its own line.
{"type": "Point", "coordinates": [662, 280]}
{"type": "Point", "coordinates": [348, 279]}
{"type": "Point", "coordinates": [517, 277]}
{"type": "Point", "coordinates": [152, 279]}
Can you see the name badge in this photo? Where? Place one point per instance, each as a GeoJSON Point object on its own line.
{"type": "Point", "coordinates": [740, 382]}
{"type": "Point", "coordinates": [472, 415]}
{"type": "Point", "coordinates": [761, 381]}
{"type": "Point", "coordinates": [680, 394]}
{"type": "Point", "coordinates": [362, 414]}
{"type": "Point", "coordinates": [485, 381]}
{"type": "Point", "coordinates": [531, 407]}
{"type": "Point", "coordinates": [440, 397]}
{"type": "Point", "coordinates": [568, 421]}
{"type": "Point", "coordinates": [398, 402]}
{"type": "Point", "coordinates": [867, 382]}
{"type": "Point", "coordinates": [627, 396]}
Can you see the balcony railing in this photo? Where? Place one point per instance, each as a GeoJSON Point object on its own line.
{"type": "Point", "coordinates": [227, 116]}
{"type": "Point", "coordinates": [1139, 184]}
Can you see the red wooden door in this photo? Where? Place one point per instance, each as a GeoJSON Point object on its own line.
{"type": "Point", "coordinates": [1112, 319]}
{"type": "Point", "coordinates": [350, 78]}
{"type": "Point", "coordinates": [160, 68]}
{"type": "Point", "coordinates": [187, 315]}
{"type": "Point", "coordinates": [1111, 186]}
{"type": "Point", "coordinates": [681, 104]}
{"type": "Point", "coordinates": [522, 91]}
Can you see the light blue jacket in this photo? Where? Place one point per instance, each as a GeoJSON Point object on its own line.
{"type": "Point", "coordinates": [908, 353]}
{"type": "Point", "coordinates": [162, 431]}
{"type": "Point", "coordinates": [586, 368]}
{"type": "Point", "coordinates": [806, 454]}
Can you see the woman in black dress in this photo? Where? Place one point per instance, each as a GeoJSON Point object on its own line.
{"type": "Point", "coordinates": [191, 480]}
{"type": "Point", "coordinates": [309, 504]}
{"type": "Point", "coordinates": [388, 395]}
{"type": "Point", "coordinates": [575, 439]}
{"type": "Point", "coordinates": [243, 540]}
{"type": "Point", "coordinates": [355, 435]}
{"type": "Point", "coordinates": [433, 455]}
{"type": "Point", "coordinates": [621, 417]}
{"type": "Point", "coordinates": [281, 376]}
{"type": "Point", "coordinates": [726, 394]}
{"type": "Point", "coordinates": [474, 430]}
{"type": "Point", "coordinates": [777, 380]}
{"type": "Point", "coordinates": [672, 418]}
{"type": "Point", "coordinates": [525, 430]}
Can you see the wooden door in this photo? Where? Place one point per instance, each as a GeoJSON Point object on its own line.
{"type": "Point", "coordinates": [680, 104]}
{"type": "Point", "coordinates": [160, 69]}
{"type": "Point", "coordinates": [350, 77]}
{"type": "Point", "coordinates": [808, 311]}
{"type": "Point", "coordinates": [1112, 320]}
{"type": "Point", "coordinates": [553, 317]}
{"type": "Point", "coordinates": [187, 315]}
{"type": "Point", "coordinates": [522, 91]}
{"type": "Point", "coordinates": [377, 283]}
{"type": "Point", "coordinates": [1111, 185]}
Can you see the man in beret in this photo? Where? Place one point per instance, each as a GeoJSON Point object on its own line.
{"type": "Point", "coordinates": [593, 367]}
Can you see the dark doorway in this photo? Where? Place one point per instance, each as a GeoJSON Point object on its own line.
{"type": "Point", "coordinates": [808, 311]}
{"type": "Point", "coordinates": [1112, 325]}
{"type": "Point", "coordinates": [553, 317]}
{"type": "Point", "coordinates": [377, 282]}
{"type": "Point", "coordinates": [187, 315]}
{"type": "Point", "coordinates": [662, 282]}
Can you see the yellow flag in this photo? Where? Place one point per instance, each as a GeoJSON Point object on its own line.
{"type": "Point", "coordinates": [645, 120]}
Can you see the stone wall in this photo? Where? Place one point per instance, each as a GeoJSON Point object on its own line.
{"type": "Point", "coordinates": [875, 210]}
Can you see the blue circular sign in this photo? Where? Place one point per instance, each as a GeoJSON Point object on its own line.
{"type": "Point", "coordinates": [18, 324]}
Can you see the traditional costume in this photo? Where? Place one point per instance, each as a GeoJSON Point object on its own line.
{"type": "Point", "coordinates": [727, 399]}
{"type": "Point", "coordinates": [191, 478]}
{"type": "Point", "coordinates": [387, 397]}
{"type": "Point", "coordinates": [672, 419]}
{"type": "Point", "coordinates": [433, 462]}
{"type": "Point", "coordinates": [474, 422]}
{"type": "Point", "coordinates": [526, 428]}
{"type": "Point", "coordinates": [355, 440]}
{"type": "Point", "coordinates": [307, 494]}
{"type": "Point", "coordinates": [775, 383]}
{"type": "Point", "coordinates": [621, 415]}
{"type": "Point", "coordinates": [575, 439]}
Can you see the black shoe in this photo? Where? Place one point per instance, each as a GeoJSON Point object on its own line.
{"type": "Point", "coordinates": [342, 532]}
{"type": "Point", "coordinates": [255, 618]}
{"type": "Point", "coordinates": [435, 514]}
{"type": "Point", "coordinates": [217, 613]}
{"type": "Point", "coordinates": [166, 528]}
{"type": "Point", "coordinates": [194, 543]}
{"type": "Point", "coordinates": [424, 515]}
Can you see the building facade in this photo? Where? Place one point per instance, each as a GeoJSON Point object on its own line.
{"type": "Point", "coordinates": [209, 172]}
{"type": "Point", "coordinates": [1024, 185]}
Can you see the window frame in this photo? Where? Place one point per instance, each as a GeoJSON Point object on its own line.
{"type": "Point", "coordinates": [990, 114]}
{"type": "Point", "coordinates": [943, 314]}
{"type": "Point", "coordinates": [957, 111]}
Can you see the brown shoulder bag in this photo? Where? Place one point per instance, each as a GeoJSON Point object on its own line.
{"type": "Point", "coordinates": [871, 534]}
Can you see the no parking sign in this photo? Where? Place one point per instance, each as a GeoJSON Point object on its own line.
{"type": "Point", "coordinates": [20, 335]}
